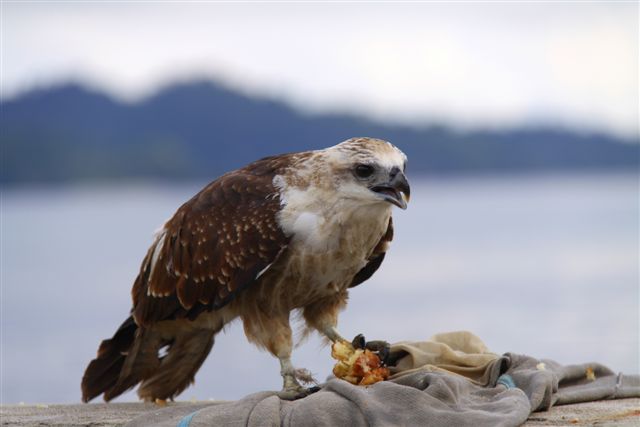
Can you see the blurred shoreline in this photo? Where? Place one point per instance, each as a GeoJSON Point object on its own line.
{"type": "Point", "coordinates": [200, 129]}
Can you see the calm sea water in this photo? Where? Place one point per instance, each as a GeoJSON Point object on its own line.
{"type": "Point", "coordinates": [541, 265]}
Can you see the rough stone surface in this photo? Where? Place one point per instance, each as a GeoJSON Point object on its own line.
{"type": "Point", "coordinates": [623, 412]}
{"type": "Point", "coordinates": [92, 414]}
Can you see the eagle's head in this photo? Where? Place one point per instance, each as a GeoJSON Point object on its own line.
{"type": "Point", "coordinates": [352, 185]}
{"type": "Point", "coordinates": [370, 171]}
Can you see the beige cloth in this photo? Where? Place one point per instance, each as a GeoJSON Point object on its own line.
{"type": "Point", "coordinates": [461, 353]}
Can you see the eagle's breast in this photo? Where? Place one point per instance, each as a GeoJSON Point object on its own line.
{"type": "Point", "coordinates": [330, 243]}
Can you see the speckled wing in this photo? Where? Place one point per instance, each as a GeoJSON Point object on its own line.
{"type": "Point", "coordinates": [215, 246]}
{"type": "Point", "coordinates": [376, 257]}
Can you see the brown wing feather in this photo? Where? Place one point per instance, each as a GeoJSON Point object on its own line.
{"type": "Point", "coordinates": [213, 247]}
{"type": "Point", "coordinates": [376, 258]}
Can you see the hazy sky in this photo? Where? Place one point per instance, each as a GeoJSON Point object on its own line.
{"type": "Point", "coordinates": [471, 64]}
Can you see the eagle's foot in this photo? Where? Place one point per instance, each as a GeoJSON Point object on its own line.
{"type": "Point", "coordinates": [297, 392]}
{"type": "Point", "coordinates": [291, 387]}
{"type": "Point", "coordinates": [381, 348]}
{"type": "Point", "coordinates": [305, 376]}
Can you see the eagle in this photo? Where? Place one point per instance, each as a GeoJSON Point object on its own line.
{"type": "Point", "coordinates": [286, 233]}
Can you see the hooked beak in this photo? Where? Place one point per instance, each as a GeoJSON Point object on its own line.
{"type": "Point", "coordinates": [396, 191]}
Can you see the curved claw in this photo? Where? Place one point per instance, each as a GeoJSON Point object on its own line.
{"type": "Point", "coordinates": [383, 354]}
{"type": "Point", "coordinates": [394, 356]}
{"type": "Point", "coordinates": [377, 346]}
{"type": "Point", "coordinates": [382, 348]}
{"type": "Point", "coordinates": [358, 342]}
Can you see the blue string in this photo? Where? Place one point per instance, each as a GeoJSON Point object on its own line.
{"type": "Point", "coordinates": [184, 422]}
{"type": "Point", "coordinates": [505, 380]}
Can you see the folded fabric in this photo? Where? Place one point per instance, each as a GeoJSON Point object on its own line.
{"type": "Point", "coordinates": [451, 379]}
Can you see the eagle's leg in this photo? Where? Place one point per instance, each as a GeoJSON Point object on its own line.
{"type": "Point", "coordinates": [273, 332]}
{"type": "Point", "coordinates": [331, 333]}
{"type": "Point", "coordinates": [291, 388]}
{"type": "Point", "coordinates": [322, 315]}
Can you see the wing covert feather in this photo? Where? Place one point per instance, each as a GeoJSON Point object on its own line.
{"type": "Point", "coordinates": [214, 246]}
{"type": "Point", "coordinates": [376, 257]}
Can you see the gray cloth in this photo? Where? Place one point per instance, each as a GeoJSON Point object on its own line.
{"type": "Point", "coordinates": [451, 379]}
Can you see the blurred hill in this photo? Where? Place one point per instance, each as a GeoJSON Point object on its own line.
{"type": "Point", "coordinates": [201, 129]}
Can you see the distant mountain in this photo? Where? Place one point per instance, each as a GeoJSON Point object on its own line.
{"type": "Point", "coordinates": [200, 130]}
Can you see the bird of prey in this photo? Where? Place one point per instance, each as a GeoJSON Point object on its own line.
{"type": "Point", "coordinates": [284, 233]}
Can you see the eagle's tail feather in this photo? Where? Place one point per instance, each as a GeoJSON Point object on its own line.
{"type": "Point", "coordinates": [140, 362]}
{"type": "Point", "coordinates": [103, 371]}
{"type": "Point", "coordinates": [178, 367]}
{"type": "Point", "coordinates": [163, 358]}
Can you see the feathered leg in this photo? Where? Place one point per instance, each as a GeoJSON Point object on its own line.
{"type": "Point", "coordinates": [273, 332]}
{"type": "Point", "coordinates": [323, 316]}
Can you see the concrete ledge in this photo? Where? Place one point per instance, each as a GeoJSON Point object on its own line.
{"type": "Point", "coordinates": [623, 412]}
{"type": "Point", "coordinates": [90, 414]}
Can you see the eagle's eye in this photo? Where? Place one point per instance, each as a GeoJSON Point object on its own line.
{"type": "Point", "coordinates": [364, 171]}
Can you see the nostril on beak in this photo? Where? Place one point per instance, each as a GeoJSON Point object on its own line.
{"type": "Point", "coordinates": [394, 172]}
